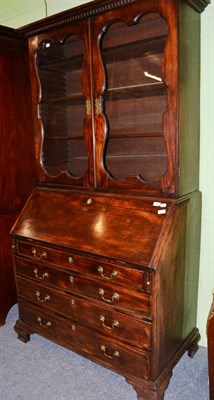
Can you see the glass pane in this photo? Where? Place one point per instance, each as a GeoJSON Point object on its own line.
{"type": "Point", "coordinates": [135, 98]}
{"type": "Point", "coordinates": [62, 106]}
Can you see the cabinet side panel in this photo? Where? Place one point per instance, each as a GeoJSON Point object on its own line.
{"type": "Point", "coordinates": [189, 103]}
{"type": "Point", "coordinates": [177, 282]}
{"type": "Point", "coordinates": [7, 281]}
{"type": "Point", "coordinates": [17, 165]}
{"type": "Point", "coordinates": [192, 258]}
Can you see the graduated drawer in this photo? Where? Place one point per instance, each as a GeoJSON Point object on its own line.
{"type": "Point", "coordinates": [106, 271]}
{"type": "Point", "coordinates": [107, 293]}
{"type": "Point", "coordinates": [100, 348]}
{"type": "Point", "coordinates": [100, 317]}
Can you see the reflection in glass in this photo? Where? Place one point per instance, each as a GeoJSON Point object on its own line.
{"type": "Point", "coordinates": [62, 106]}
{"type": "Point", "coordinates": [135, 98]}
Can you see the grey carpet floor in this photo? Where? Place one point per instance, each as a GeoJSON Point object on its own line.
{"type": "Point", "coordinates": [41, 370]}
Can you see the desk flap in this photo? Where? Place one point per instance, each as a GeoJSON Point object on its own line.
{"type": "Point", "coordinates": [119, 228]}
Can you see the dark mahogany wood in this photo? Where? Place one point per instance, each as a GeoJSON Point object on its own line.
{"type": "Point", "coordinates": [7, 282]}
{"type": "Point", "coordinates": [107, 247]}
{"type": "Point", "coordinates": [157, 154]}
{"type": "Point", "coordinates": [104, 319]}
{"type": "Point", "coordinates": [55, 289]}
{"type": "Point", "coordinates": [210, 341]}
{"type": "Point", "coordinates": [96, 223]}
{"type": "Point", "coordinates": [90, 9]}
{"type": "Point", "coordinates": [117, 272]}
{"type": "Point", "coordinates": [17, 161]}
{"type": "Point", "coordinates": [151, 390]}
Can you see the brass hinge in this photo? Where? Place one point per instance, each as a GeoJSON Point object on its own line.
{"type": "Point", "coordinates": [88, 107]}
{"type": "Point", "coordinates": [98, 106]}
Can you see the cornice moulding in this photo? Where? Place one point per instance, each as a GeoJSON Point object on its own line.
{"type": "Point", "coordinates": [88, 10]}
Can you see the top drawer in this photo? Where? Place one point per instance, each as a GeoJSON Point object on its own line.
{"type": "Point", "coordinates": [106, 271]}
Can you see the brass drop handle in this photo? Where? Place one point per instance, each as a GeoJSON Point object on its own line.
{"type": "Point", "coordinates": [115, 296]}
{"type": "Point", "coordinates": [44, 299]}
{"type": "Point", "coordinates": [112, 356]}
{"type": "Point", "coordinates": [39, 256]}
{"type": "Point", "coordinates": [101, 272]}
{"type": "Point", "coordinates": [115, 324]}
{"type": "Point", "coordinates": [40, 277]}
{"type": "Point", "coordinates": [44, 325]}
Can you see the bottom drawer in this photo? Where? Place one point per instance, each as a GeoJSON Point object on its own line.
{"type": "Point", "coordinates": [102, 349]}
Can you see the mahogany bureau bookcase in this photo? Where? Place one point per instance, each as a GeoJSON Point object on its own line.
{"type": "Point", "coordinates": [106, 248]}
{"type": "Point", "coordinates": [17, 168]}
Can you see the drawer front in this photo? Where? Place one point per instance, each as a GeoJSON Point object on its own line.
{"type": "Point", "coordinates": [86, 265]}
{"type": "Point", "coordinates": [117, 296]}
{"type": "Point", "coordinates": [102, 318]}
{"type": "Point", "coordinates": [100, 348]}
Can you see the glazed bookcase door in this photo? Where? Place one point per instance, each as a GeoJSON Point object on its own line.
{"type": "Point", "coordinates": [63, 99]}
{"type": "Point", "coordinates": [133, 100]}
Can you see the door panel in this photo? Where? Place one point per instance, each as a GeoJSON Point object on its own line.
{"type": "Point", "coordinates": [133, 107]}
{"type": "Point", "coordinates": [64, 117]}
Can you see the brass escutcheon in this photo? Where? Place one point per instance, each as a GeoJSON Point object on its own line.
{"type": "Point", "coordinates": [89, 201]}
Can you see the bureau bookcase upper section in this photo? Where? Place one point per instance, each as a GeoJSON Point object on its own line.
{"type": "Point", "coordinates": [115, 89]}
